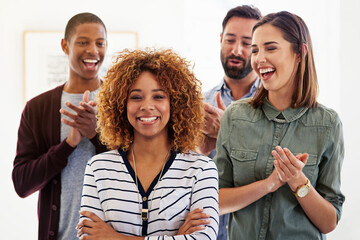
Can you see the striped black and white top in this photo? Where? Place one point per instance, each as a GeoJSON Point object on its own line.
{"type": "Point", "coordinates": [189, 181]}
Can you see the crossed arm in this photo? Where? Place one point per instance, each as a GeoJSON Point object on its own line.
{"type": "Point", "coordinates": [95, 228]}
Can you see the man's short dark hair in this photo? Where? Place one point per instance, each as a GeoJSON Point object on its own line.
{"type": "Point", "coordinates": [78, 19]}
{"type": "Point", "coordinates": [243, 11]}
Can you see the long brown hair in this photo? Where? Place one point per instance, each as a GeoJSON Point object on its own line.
{"type": "Point", "coordinates": [295, 31]}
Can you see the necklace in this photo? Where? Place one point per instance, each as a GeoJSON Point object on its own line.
{"type": "Point", "coordinates": [145, 211]}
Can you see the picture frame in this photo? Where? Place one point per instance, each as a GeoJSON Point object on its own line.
{"type": "Point", "coordinates": [45, 65]}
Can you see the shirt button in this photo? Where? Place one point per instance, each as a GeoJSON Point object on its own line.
{"type": "Point", "coordinates": [243, 155]}
{"type": "Point", "coordinates": [144, 199]}
{"type": "Point", "coordinates": [51, 233]}
{"type": "Point", "coordinates": [54, 208]}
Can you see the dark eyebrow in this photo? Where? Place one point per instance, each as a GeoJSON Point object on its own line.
{"type": "Point", "coordinates": [230, 35]}
{"type": "Point", "coordinates": [265, 44]}
{"type": "Point", "coordinates": [86, 38]}
{"type": "Point", "coordinates": [158, 90]}
{"type": "Point", "coordinates": [135, 90]}
{"type": "Point", "coordinates": [82, 37]}
{"type": "Point", "coordinates": [268, 43]}
{"type": "Point", "coordinates": [234, 35]}
{"type": "Point", "coordinates": [154, 90]}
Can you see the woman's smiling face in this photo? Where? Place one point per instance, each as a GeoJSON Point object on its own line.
{"type": "Point", "coordinates": [274, 60]}
{"type": "Point", "coordinates": [148, 107]}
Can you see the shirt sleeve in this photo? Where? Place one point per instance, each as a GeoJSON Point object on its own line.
{"type": "Point", "coordinates": [329, 180]}
{"type": "Point", "coordinates": [34, 168]}
{"type": "Point", "coordinates": [204, 195]}
{"type": "Point", "coordinates": [222, 157]}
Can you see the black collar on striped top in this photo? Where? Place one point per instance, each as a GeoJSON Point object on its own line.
{"type": "Point", "coordinates": [145, 211]}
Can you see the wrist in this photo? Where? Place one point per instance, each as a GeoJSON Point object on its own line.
{"type": "Point", "coordinates": [270, 186]}
{"type": "Point", "coordinates": [92, 135]}
{"type": "Point", "coordinates": [296, 182]}
{"type": "Point", "coordinates": [302, 190]}
{"type": "Point", "coordinates": [71, 143]}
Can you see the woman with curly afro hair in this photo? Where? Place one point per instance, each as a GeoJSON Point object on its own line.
{"type": "Point", "coordinates": [151, 184]}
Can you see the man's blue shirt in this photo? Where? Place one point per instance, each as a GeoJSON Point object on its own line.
{"type": "Point", "coordinates": [226, 96]}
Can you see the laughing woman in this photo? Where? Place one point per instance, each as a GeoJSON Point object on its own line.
{"type": "Point", "coordinates": [151, 185]}
{"type": "Point", "coordinates": [279, 155]}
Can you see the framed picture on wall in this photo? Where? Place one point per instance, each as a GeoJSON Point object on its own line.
{"type": "Point", "coordinates": [46, 65]}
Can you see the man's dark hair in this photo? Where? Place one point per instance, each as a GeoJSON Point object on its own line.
{"type": "Point", "coordinates": [78, 19]}
{"type": "Point", "coordinates": [244, 11]}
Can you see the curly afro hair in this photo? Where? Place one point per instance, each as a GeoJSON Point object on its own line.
{"type": "Point", "coordinates": [174, 76]}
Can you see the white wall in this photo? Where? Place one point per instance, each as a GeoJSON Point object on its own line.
{"type": "Point", "coordinates": [349, 53]}
{"type": "Point", "coordinates": [192, 28]}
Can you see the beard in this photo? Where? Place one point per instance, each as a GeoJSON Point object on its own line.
{"type": "Point", "coordinates": [235, 72]}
